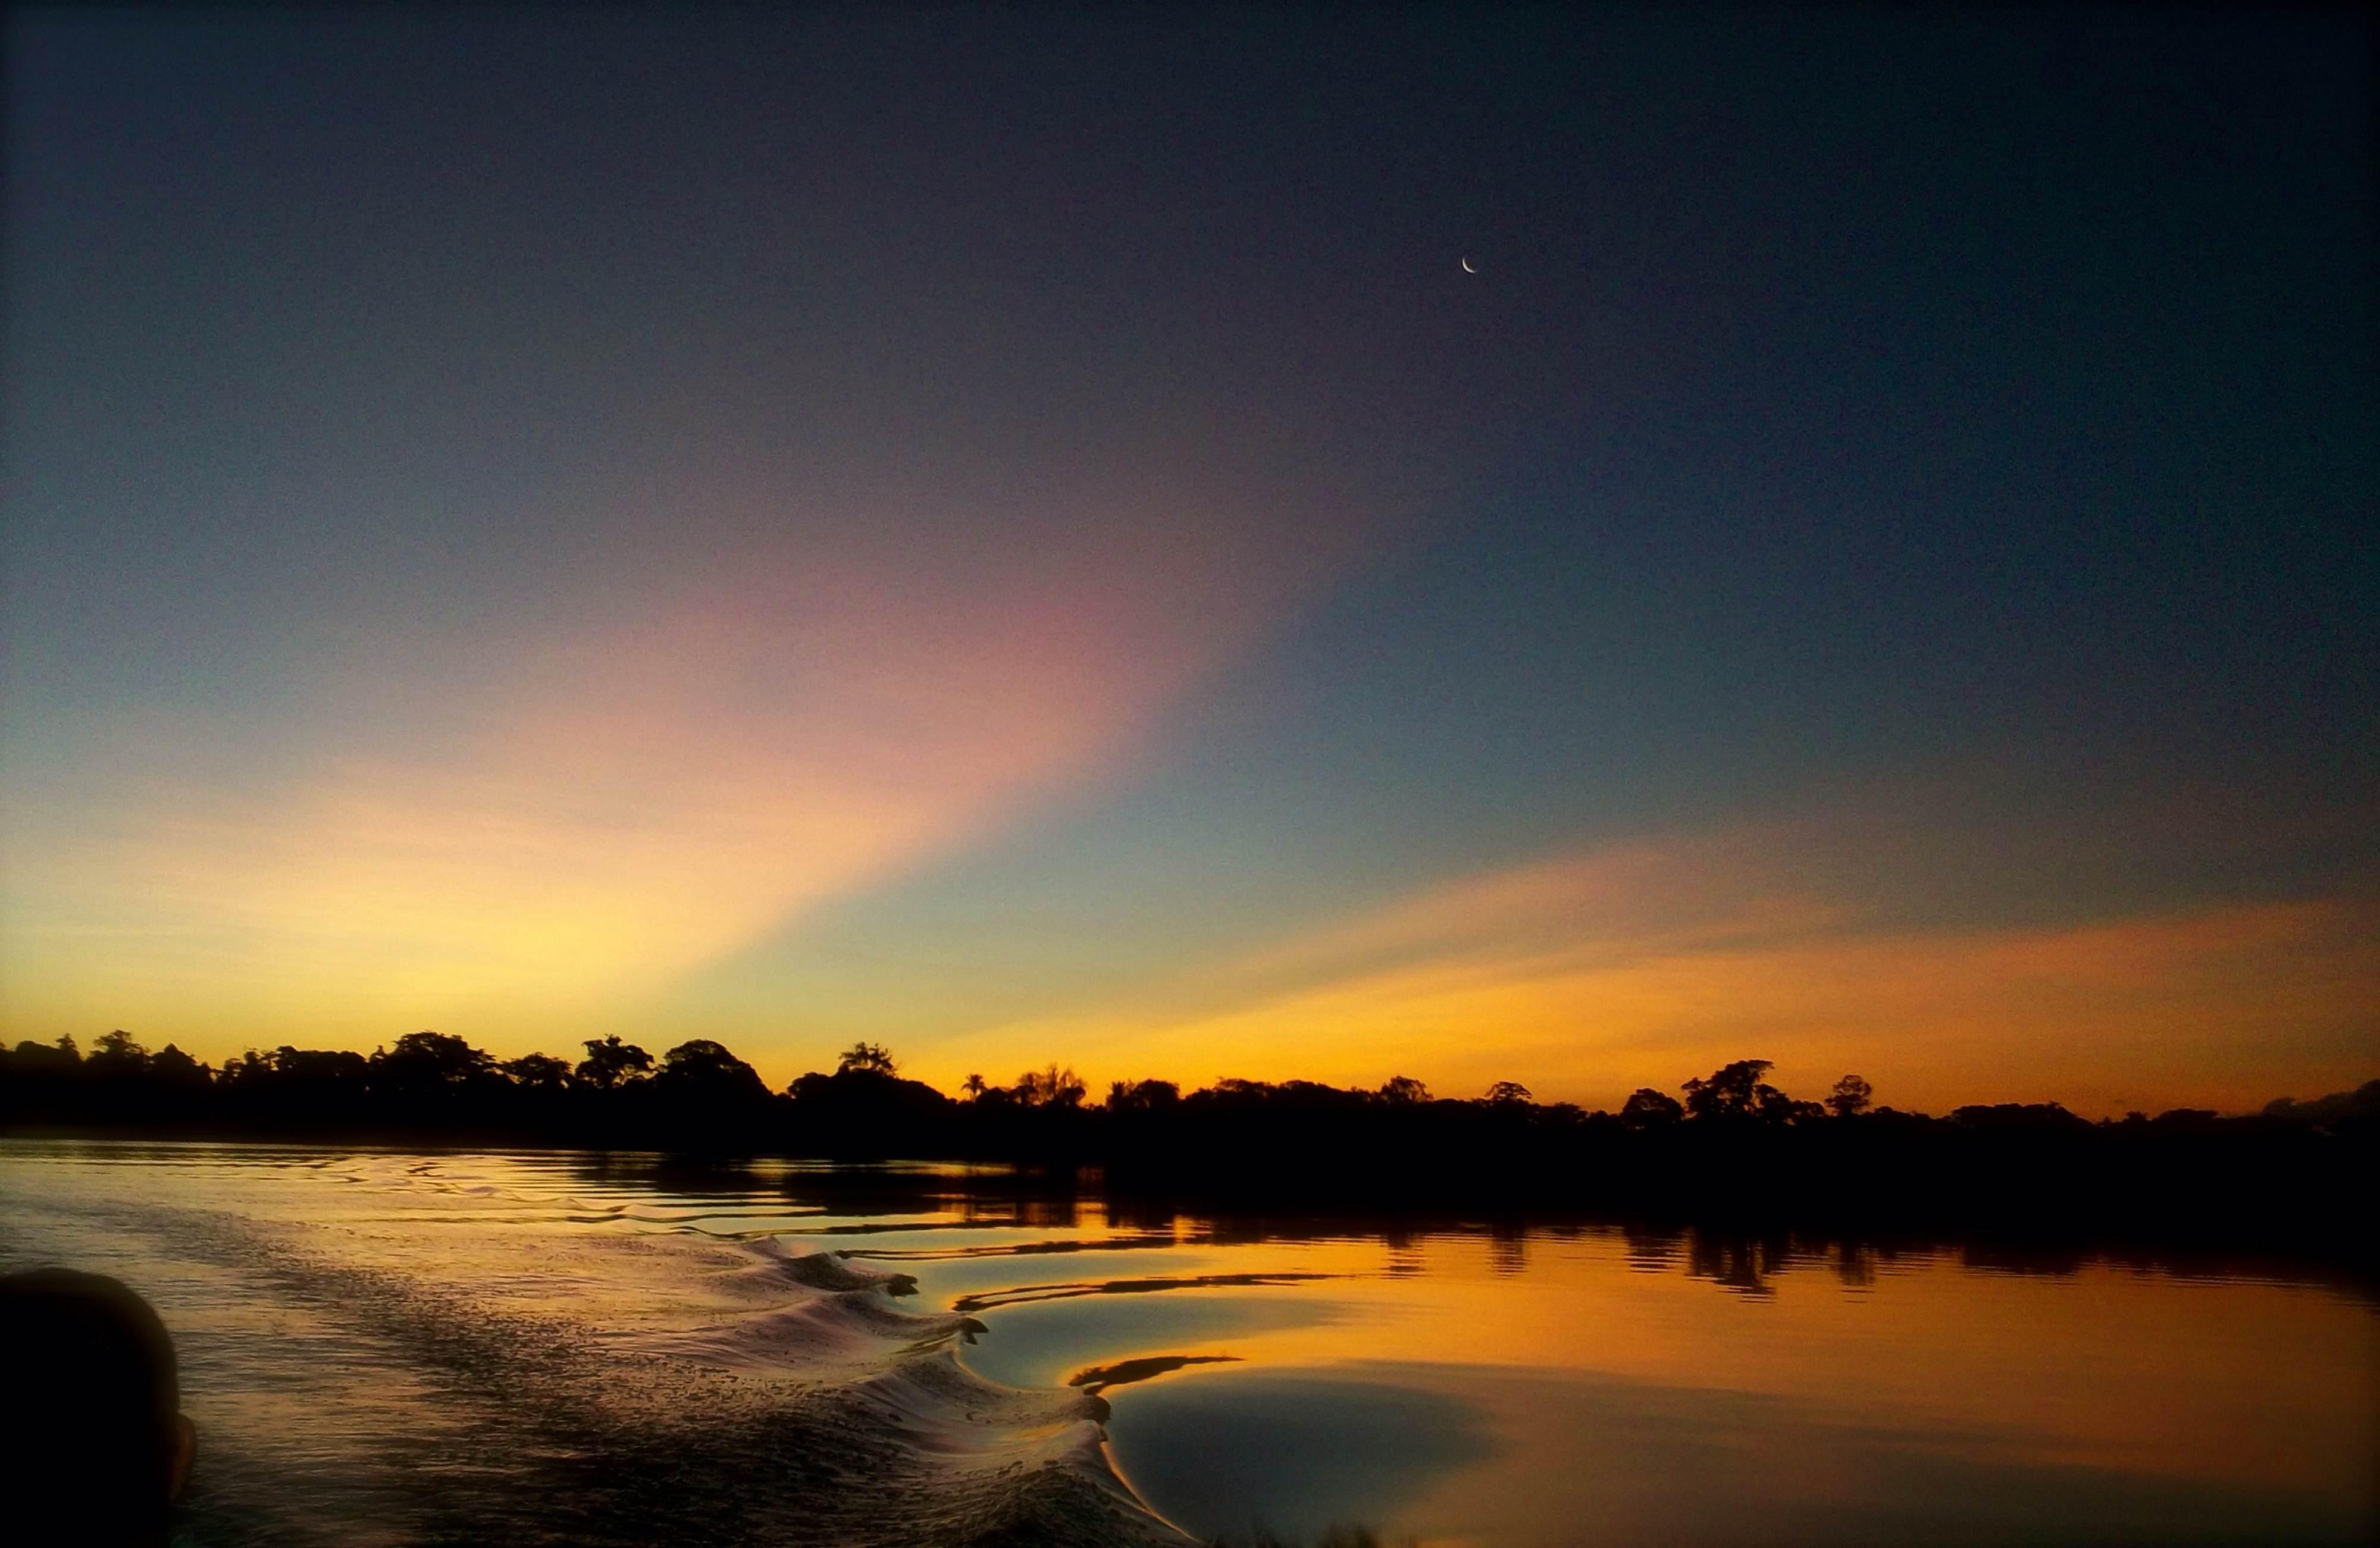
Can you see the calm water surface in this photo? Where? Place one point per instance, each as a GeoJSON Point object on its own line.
{"type": "Point", "coordinates": [377, 1345]}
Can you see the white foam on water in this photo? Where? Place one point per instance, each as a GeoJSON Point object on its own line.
{"type": "Point", "coordinates": [401, 1349]}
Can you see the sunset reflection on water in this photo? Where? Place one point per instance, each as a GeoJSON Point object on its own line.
{"type": "Point", "coordinates": [1591, 1384]}
{"type": "Point", "coordinates": [1450, 1381]}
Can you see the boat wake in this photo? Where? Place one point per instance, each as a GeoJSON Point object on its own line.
{"type": "Point", "coordinates": [491, 1370]}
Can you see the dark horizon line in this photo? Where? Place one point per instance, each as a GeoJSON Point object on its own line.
{"type": "Point", "coordinates": [1736, 1147]}
{"type": "Point", "coordinates": [615, 1064]}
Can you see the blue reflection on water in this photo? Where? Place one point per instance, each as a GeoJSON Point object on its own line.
{"type": "Point", "coordinates": [1043, 1344]}
{"type": "Point", "coordinates": [1301, 1451]}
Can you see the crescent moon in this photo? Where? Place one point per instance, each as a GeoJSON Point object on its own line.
{"type": "Point", "coordinates": [1467, 268]}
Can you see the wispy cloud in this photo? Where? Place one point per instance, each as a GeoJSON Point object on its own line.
{"type": "Point", "coordinates": [1590, 973]}
{"type": "Point", "coordinates": [563, 816]}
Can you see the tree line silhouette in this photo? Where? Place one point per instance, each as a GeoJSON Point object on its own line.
{"type": "Point", "coordinates": [1730, 1143]}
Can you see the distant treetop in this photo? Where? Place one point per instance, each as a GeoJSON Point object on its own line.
{"type": "Point", "coordinates": [1850, 1097]}
{"type": "Point", "coordinates": [609, 1063]}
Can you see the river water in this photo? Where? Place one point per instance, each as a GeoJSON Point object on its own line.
{"type": "Point", "coordinates": [405, 1347]}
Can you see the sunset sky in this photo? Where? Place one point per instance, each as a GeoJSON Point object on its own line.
{"type": "Point", "coordinates": [1017, 536]}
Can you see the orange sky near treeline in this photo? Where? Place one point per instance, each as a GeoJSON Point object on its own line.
{"type": "Point", "coordinates": [1583, 976]}
{"type": "Point", "coordinates": [2227, 1006]}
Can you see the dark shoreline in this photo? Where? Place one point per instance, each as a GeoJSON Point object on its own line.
{"type": "Point", "coordinates": [1737, 1155]}
{"type": "Point", "coordinates": [2202, 1208]}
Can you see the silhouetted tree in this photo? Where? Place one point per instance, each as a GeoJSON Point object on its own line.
{"type": "Point", "coordinates": [610, 1064]}
{"type": "Point", "coordinates": [973, 1086]}
{"type": "Point", "coordinates": [863, 1109]}
{"type": "Point", "coordinates": [1507, 1094]}
{"type": "Point", "coordinates": [1850, 1097]}
{"type": "Point", "coordinates": [1647, 1108]}
{"type": "Point", "coordinates": [116, 1053]}
{"type": "Point", "coordinates": [1734, 1091]}
{"type": "Point", "coordinates": [300, 1087]}
{"type": "Point", "coordinates": [421, 1062]}
{"type": "Point", "coordinates": [538, 1071]}
{"type": "Point", "coordinates": [287, 1067]}
{"type": "Point", "coordinates": [704, 1067]}
{"type": "Point", "coordinates": [1142, 1097]}
{"type": "Point", "coordinates": [52, 1057]}
{"type": "Point", "coordinates": [871, 1058]}
{"type": "Point", "coordinates": [1402, 1089]}
{"type": "Point", "coordinates": [2048, 1116]}
{"type": "Point", "coordinates": [1052, 1087]}
{"type": "Point", "coordinates": [173, 1067]}
{"type": "Point", "coordinates": [2359, 1106]}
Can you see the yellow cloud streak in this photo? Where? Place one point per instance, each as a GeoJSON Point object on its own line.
{"type": "Point", "coordinates": [610, 805]}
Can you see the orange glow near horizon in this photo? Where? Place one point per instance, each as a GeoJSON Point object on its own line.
{"type": "Point", "coordinates": [1588, 976]}
{"type": "Point", "coordinates": [1582, 975]}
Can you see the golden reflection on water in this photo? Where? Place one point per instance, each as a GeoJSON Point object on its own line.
{"type": "Point", "coordinates": [2102, 1363]}
{"type": "Point", "coordinates": [2259, 1384]}
{"type": "Point", "coordinates": [1804, 1363]}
